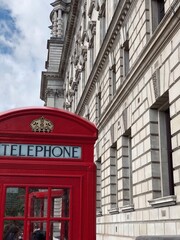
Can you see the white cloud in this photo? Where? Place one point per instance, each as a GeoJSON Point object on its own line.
{"type": "Point", "coordinates": [20, 71]}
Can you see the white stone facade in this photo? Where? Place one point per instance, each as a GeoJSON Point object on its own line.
{"type": "Point", "coordinates": [120, 66]}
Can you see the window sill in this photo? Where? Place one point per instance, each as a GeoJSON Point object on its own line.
{"type": "Point", "coordinates": [127, 208]}
{"type": "Point", "coordinates": [163, 201]}
{"type": "Point", "coordinates": [99, 213]}
{"type": "Point", "coordinates": [114, 210]}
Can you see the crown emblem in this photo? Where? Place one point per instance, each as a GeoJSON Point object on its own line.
{"type": "Point", "coordinates": [41, 125]}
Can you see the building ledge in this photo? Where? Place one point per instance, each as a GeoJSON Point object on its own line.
{"type": "Point", "coordinates": [158, 237]}
{"type": "Point", "coordinates": [114, 210]}
{"type": "Point", "coordinates": [99, 213]}
{"type": "Point", "coordinates": [127, 208]}
{"type": "Point", "coordinates": [163, 201]}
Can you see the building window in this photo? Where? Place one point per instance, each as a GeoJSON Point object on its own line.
{"type": "Point", "coordinates": [102, 28]}
{"type": "Point", "coordinates": [113, 179]}
{"type": "Point", "coordinates": [127, 204]}
{"type": "Point", "coordinates": [164, 194]}
{"type": "Point", "coordinates": [165, 150]}
{"type": "Point", "coordinates": [126, 57]}
{"type": "Point", "coordinates": [112, 75]}
{"type": "Point", "coordinates": [98, 102]}
{"type": "Point", "coordinates": [99, 187]}
{"type": "Point", "coordinates": [113, 81]}
{"type": "Point", "coordinates": [87, 113]}
{"type": "Point", "coordinates": [157, 13]}
{"type": "Point", "coordinates": [124, 38]}
{"type": "Point", "coordinates": [91, 39]}
{"type": "Point", "coordinates": [91, 51]}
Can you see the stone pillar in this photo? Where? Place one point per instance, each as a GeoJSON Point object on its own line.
{"type": "Point", "coordinates": [60, 24]}
{"type": "Point", "coordinates": [54, 24]}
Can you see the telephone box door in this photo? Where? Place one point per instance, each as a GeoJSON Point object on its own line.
{"type": "Point", "coordinates": [32, 207]}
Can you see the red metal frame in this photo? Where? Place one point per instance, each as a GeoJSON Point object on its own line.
{"type": "Point", "coordinates": [78, 175]}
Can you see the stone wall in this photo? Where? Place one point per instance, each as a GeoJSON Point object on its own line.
{"type": "Point", "coordinates": [123, 75]}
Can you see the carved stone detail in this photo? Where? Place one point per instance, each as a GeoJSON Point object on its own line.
{"type": "Point", "coordinates": [156, 83]}
{"type": "Point", "coordinates": [100, 7]}
{"type": "Point", "coordinates": [91, 32]}
{"type": "Point", "coordinates": [91, 7]}
{"type": "Point", "coordinates": [54, 93]}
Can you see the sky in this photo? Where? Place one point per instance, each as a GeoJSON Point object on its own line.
{"type": "Point", "coordinates": [23, 51]}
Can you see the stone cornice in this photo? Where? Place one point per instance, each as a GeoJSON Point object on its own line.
{"type": "Point", "coordinates": [70, 32]}
{"type": "Point", "coordinates": [54, 40]}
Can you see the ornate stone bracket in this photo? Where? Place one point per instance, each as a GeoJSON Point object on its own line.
{"type": "Point", "coordinates": [91, 33]}
{"type": "Point", "coordinates": [100, 7]}
{"type": "Point", "coordinates": [83, 36]}
{"type": "Point", "coordinates": [83, 9]}
{"type": "Point", "coordinates": [67, 104]}
{"type": "Point", "coordinates": [91, 7]}
{"type": "Point", "coordinates": [83, 57]}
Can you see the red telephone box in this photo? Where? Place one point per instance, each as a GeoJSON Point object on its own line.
{"type": "Point", "coordinates": [47, 175]}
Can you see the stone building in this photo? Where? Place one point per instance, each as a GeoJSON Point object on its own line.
{"type": "Point", "coordinates": [117, 63]}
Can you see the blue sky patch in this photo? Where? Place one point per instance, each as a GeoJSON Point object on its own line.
{"type": "Point", "coordinates": [8, 31]}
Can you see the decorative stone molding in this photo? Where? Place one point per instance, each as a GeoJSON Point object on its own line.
{"type": "Point", "coordinates": [83, 9]}
{"type": "Point", "coordinates": [83, 36]}
{"type": "Point", "coordinates": [76, 56]}
{"type": "Point", "coordinates": [72, 59]}
{"type": "Point", "coordinates": [78, 47]}
{"type": "Point", "coordinates": [71, 92]}
{"type": "Point", "coordinates": [70, 80]}
{"type": "Point", "coordinates": [156, 83]}
{"type": "Point", "coordinates": [83, 57]}
{"type": "Point", "coordinates": [45, 78]}
{"type": "Point", "coordinates": [74, 85]}
{"type": "Point", "coordinates": [91, 7]}
{"type": "Point", "coordinates": [77, 73]}
{"type": "Point", "coordinates": [112, 32]}
{"type": "Point", "coordinates": [54, 93]}
{"type": "Point", "coordinates": [67, 104]}
{"type": "Point", "coordinates": [100, 7]}
{"type": "Point", "coordinates": [91, 32]}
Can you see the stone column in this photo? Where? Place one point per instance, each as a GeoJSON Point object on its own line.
{"type": "Point", "coordinates": [54, 24]}
{"type": "Point", "coordinates": [60, 24]}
